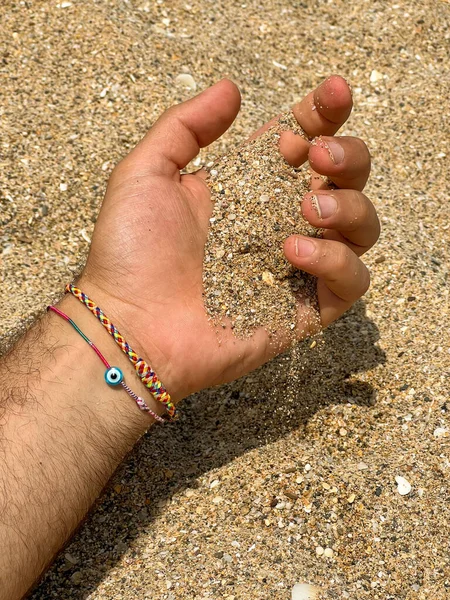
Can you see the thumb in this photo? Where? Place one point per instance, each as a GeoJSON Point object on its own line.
{"type": "Point", "coordinates": [180, 132]}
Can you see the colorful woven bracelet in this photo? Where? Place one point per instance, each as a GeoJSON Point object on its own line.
{"type": "Point", "coordinates": [143, 370]}
{"type": "Point", "coordinates": [113, 375]}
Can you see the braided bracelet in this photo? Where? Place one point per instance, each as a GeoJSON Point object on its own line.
{"type": "Point", "coordinates": [113, 375]}
{"type": "Point", "coordinates": [143, 370]}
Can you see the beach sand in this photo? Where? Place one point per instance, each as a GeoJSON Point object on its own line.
{"type": "Point", "coordinates": [252, 490]}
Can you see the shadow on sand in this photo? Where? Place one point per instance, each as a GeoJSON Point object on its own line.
{"type": "Point", "coordinates": [214, 427]}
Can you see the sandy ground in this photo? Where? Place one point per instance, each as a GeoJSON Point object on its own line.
{"type": "Point", "coordinates": [248, 493]}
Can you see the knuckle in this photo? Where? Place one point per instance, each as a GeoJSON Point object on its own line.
{"type": "Point", "coordinates": [343, 258]}
{"type": "Point", "coordinates": [362, 215]}
{"type": "Point", "coordinates": [119, 172]}
{"type": "Point", "coordinates": [172, 111]}
{"type": "Point", "coordinates": [362, 207]}
{"type": "Point", "coordinates": [361, 147]}
{"type": "Point", "coordinates": [365, 280]}
{"type": "Point", "coordinates": [116, 174]}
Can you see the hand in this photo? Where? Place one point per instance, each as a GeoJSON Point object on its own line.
{"type": "Point", "coordinates": [145, 264]}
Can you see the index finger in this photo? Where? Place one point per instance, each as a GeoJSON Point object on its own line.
{"type": "Point", "coordinates": [322, 112]}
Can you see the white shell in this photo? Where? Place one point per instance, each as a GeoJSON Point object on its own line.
{"type": "Point", "coordinates": [440, 432]}
{"type": "Point", "coordinates": [186, 80]}
{"type": "Point", "coordinates": [304, 591]}
{"type": "Point", "coordinates": [376, 76]}
{"type": "Point", "coordinates": [403, 485]}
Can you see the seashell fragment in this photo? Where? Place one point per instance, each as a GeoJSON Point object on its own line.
{"type": "Point", "coordinates": [403, 485]}
{"type": "Point", "coordinates": [186, 80]}
{"type": "Point", "coordinates": [304, 591]}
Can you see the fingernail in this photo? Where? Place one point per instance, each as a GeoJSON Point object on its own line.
{"type": "Point", "coordinates": [325, 205]}
{"type": "Point", "coordinates": [336, 151]}
{"type": "Point", "coordinates": [303, 248]}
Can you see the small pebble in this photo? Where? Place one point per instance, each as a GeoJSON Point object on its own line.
{"type": "Point", "coordinates": [440, 432]}
{"type": "Point", "coordinates": [403, 485]}
{"type": "Point", "coordinates": [291, 495]}
{"type": "Point", "coordinates": [376, 76]}
{"type": "Point", "coordinates": [319, 550]}
{"type": "Point", "coordinates": [268, 278]}
{"type": "Point", "coordinates": [186, 80]}
{"type": "Point", "coordinates": [70, 558]}
{"type": "Point", "coordinates": [304, 591]}
{"type": "Point", "coordinates": [121, 547]}
{"type": "Point", "coordinates": [76, 577]}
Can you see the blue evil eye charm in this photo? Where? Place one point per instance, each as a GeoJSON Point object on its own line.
{"type": "Point", "coordinates": [113, 376]}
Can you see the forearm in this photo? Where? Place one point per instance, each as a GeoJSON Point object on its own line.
{"type": "Point", "coordinates": [63, 432]}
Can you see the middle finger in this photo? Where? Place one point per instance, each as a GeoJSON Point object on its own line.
{"type": "Point", "coordinates": [345, 160]}
{"type": "Point", "coordinates": [347, 212]}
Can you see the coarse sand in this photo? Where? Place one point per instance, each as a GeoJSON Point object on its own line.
{"type": "Point", "coordinates": [257, 200]}
{"type": "Point", "coordinates": [251, 491]}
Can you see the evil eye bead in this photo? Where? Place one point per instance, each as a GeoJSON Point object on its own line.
{"type": "Point", "coordinates": [113, 376]}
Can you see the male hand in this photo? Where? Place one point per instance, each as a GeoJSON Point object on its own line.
{"type": "Point", "coordinates": [145, 264]}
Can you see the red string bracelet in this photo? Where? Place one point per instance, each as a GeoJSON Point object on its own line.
{"type": "Point", "coordinates": [113, 375]}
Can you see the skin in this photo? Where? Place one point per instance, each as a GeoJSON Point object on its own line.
{"type": "Point", "coordinates": [63, 431]}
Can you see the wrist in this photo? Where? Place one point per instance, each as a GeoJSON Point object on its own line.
{"type": "Point", "coordinates": [140, 329]}
{"type": "Point", "coordinates": [118, 400]}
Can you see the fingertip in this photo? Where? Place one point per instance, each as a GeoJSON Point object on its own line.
{"type": "Point", "coordinates": [326, 158]}
{"type": "Point", "coordinates": [294, 148]}
{"type": "Point", "coordinates": [289, 248]}
{"type": "Point", "coordinates": [319, 158]}
{"type": "Point", "coordinates": [230, 91]}
{"type": "Point", "coordinates": [324, 110]}
{"type": "Point", "coordinates": [340, 87]}
{"type": "Point", "coordinates": [311, 209]}
{"type": "Point", "coordinates": [333, 98]}
{"type": "Point", "coordinates": [225, 98]}
{"type": "Point", "coordinates": [297, 248]}
{"type": "Point", "coordinates": [345, 160]}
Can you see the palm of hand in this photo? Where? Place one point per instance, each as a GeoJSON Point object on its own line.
{"type": "Point", "coordinates": [160, 292]}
